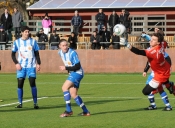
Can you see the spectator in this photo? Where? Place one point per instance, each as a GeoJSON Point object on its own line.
{"type": "Point", "coordinates": [16, 20]}
{"type": "Point", "coordinates": [41, 38]}
{"type": "Point", "coordinates": [73, 41]}
{"type": "Point", "coordinates": [124, 19]}
{"type": "Point", "coordinates": [6, 21]}
{"type": "Point", "coordinates": [100, 17]}
{"type": "Point", "coordinates": [76, 22]}
{"type": "Point", "coordinates": [105, 37]}
{"type": "Point", "coordinates": [54, 38]}
{"type": "Point", "coordinates": [46, 23]}
{"type": "Point", "coordinates": [3, 38]}
{"type": "Point", "coordinates": [113, 20]}
{"type": "Point", "coordinates": [115, 41]}
{"type": "Point", "coordinates": [95, 40]}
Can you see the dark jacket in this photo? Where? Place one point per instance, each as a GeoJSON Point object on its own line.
{"type": "Point", "coordinates": [100, 17]}
{"type": "Point", "coordinates": [113, 20]}
{"type": "Point", "coordinates": [3, 36]}
{"type": "Point", "coordinates": [105, 36]}
{"type": "Point", "coordinates": [116, 39]}
{"type": "Point", "coordinates": [97, 38]}
{"type": "Point", "coordinates": [73, 45]}
{"type": "Point", "coordinates": [7, 22]}
{"type": "Point", "coordinates": [54, 38]}
{"type": "Point", "coordinates": [42, 37]}
{"type": "Point", "coordinates": [124, 19]}
{"type": "Point", "coordinates": [76, 21]}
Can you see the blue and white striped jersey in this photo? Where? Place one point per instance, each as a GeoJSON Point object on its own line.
{"type": "Point", "coordinates": [146, 37]}
{"type": "Point", "coordinates": [25, 49]}
{"type": "Point", "coordinates": [70, 58]}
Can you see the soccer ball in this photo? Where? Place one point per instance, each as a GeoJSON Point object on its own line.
{"type": "Point", "coordinates": [119, 29]}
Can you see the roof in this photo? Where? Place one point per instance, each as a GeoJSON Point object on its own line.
{"type": "Point", "coordinates": [93, 4]}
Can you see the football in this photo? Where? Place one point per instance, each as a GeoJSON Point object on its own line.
{"type": "Point", "coordinates": [119, 29]}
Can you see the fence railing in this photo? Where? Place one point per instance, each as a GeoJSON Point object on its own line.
{"type": "Point", "coordinates": [90, 25]}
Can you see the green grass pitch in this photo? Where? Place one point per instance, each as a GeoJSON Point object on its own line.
{"type": "Point", "coordinates": [114, 100]}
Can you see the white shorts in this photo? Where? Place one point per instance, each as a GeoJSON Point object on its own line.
{"type": "Point", "coordinates": [154, 84]}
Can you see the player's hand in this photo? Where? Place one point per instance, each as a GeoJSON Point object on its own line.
{"type": "Point", "coordinates": [62, 68]}
{"type": "Point", "coordinates": [144, 74]}
{"type": "Point", "coordinates": [38, 67]}
{"type": "Point", "coordinates": [18, 66]}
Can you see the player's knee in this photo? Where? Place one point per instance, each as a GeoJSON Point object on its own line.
{"type": "Point", "coordinates": [32, 81]}
{"type": "Point", "coordinates": [20, 82]}
{"type": "Point", "coordinates": [147, 89]}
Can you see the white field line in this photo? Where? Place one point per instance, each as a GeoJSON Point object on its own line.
{"type": "Point", "coordinates": [140, 98]}
{"type": "Point", "coordinates": [25, 101]}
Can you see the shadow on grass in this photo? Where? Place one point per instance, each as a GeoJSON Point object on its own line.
{"type": "Point", "coordinates": [128, 110]}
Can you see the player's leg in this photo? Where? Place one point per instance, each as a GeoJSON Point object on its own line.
{"type": "Point", "coordinates": [21, 74]}
{"type": "Point", "coordinates": [67, 97]}
{"type": "Point", "coordinates": [151, 95]}
{"type": "Point", "coordinates": [79, 101]}
{"type": "Point", "coordinates": [164, 99]}
{"type": "Point", "coordinates": [73, 91]}
{"type": "Point", "coordinates": [170, 86]}
{"type": "Point", "coordinates": [31, 72]}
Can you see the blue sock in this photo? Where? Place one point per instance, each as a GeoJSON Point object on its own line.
{"type": "Point", "coordinates": [67, 100]}
{"type": "Point", "coordinates": [20, 95]}
{"type": "Point", "coordinates": [165, 99]}
{"type": "Point", "coordinates": [80, 103]}
{"type": "Point", "coordinates": [151, 100]}
{"type": "Point", "coordinates": [34, 94]}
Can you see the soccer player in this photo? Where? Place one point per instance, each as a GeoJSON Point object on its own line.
{"type": "Point", "coordinates": [157, 62]}
{"type": "Point", "coordinates": [71, 85]}
{"type": "Point", "coordinates": [28, 55]}
{"type": "Point", "coordinates": [162, 93]}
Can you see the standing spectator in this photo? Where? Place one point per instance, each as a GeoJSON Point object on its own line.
{"type": "Point", "coordinates": [73, 41]}
{"type": "Point", "coordinates": [95, 40]}
{"type": "Point", "coordinates": [16, 20]}
{"type": "Point", "coordinates": [115, 41]}
{"type": "Point", "coordinates": [100, 18]}
{"type": "Point", "coordinates": [113, 20]}
{"type": "Point", "coordinates": [42, 38]}
{"type": "Point", "coordinates": [54, 38]}
{"type": "Point", "coordinates": [76, 22]}
{"type": "Point", "coordinates": [124, 19]}
{"type": "Point", "coordinates": [3, 38]}
{"type": "Point", "coordinates": [6, 21]}
{"type": "Point", "coordinates": [46, 23]}
{"type": "Point", "coordinates": [105, 35]}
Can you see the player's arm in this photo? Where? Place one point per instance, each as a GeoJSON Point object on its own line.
{"type": "Point", "coordinates": [37, 56]}
{"type": "Point", "coordinates": [74, 68]}
{"type": "Point", "coordinates": [136, 51]}
{"type": "Point", "coordinates": [13, 55]}
{"type": "Point", "coordinates": [147, 67]}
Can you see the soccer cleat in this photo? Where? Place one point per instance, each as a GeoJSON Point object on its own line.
{"type": "Point", "coordinates": [84, 114]}
{"type": "Point", "coordinates": [66, 114]}
{"type": "Point", "coordinates": [36, 106]}
{"type": "Point", "coordinates": [167, 109]}
{"type": "Point", "coordinates": [171, 88]}
{"type": "Point", "coordinates": [150, 108]}
{"type": "Point", "coordinates": [19, 106]}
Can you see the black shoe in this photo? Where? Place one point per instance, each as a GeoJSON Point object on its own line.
{"type": "Point", "coordinates": [167, 109]}
{"type": "Point", "coordinates": [171, 88]}
{"type": "Point", "coordinates": [19, 106]}
{"type": "Point", "coordinates": [36, 106]}
{"type": "Point", "coordinates": [150, 108]}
